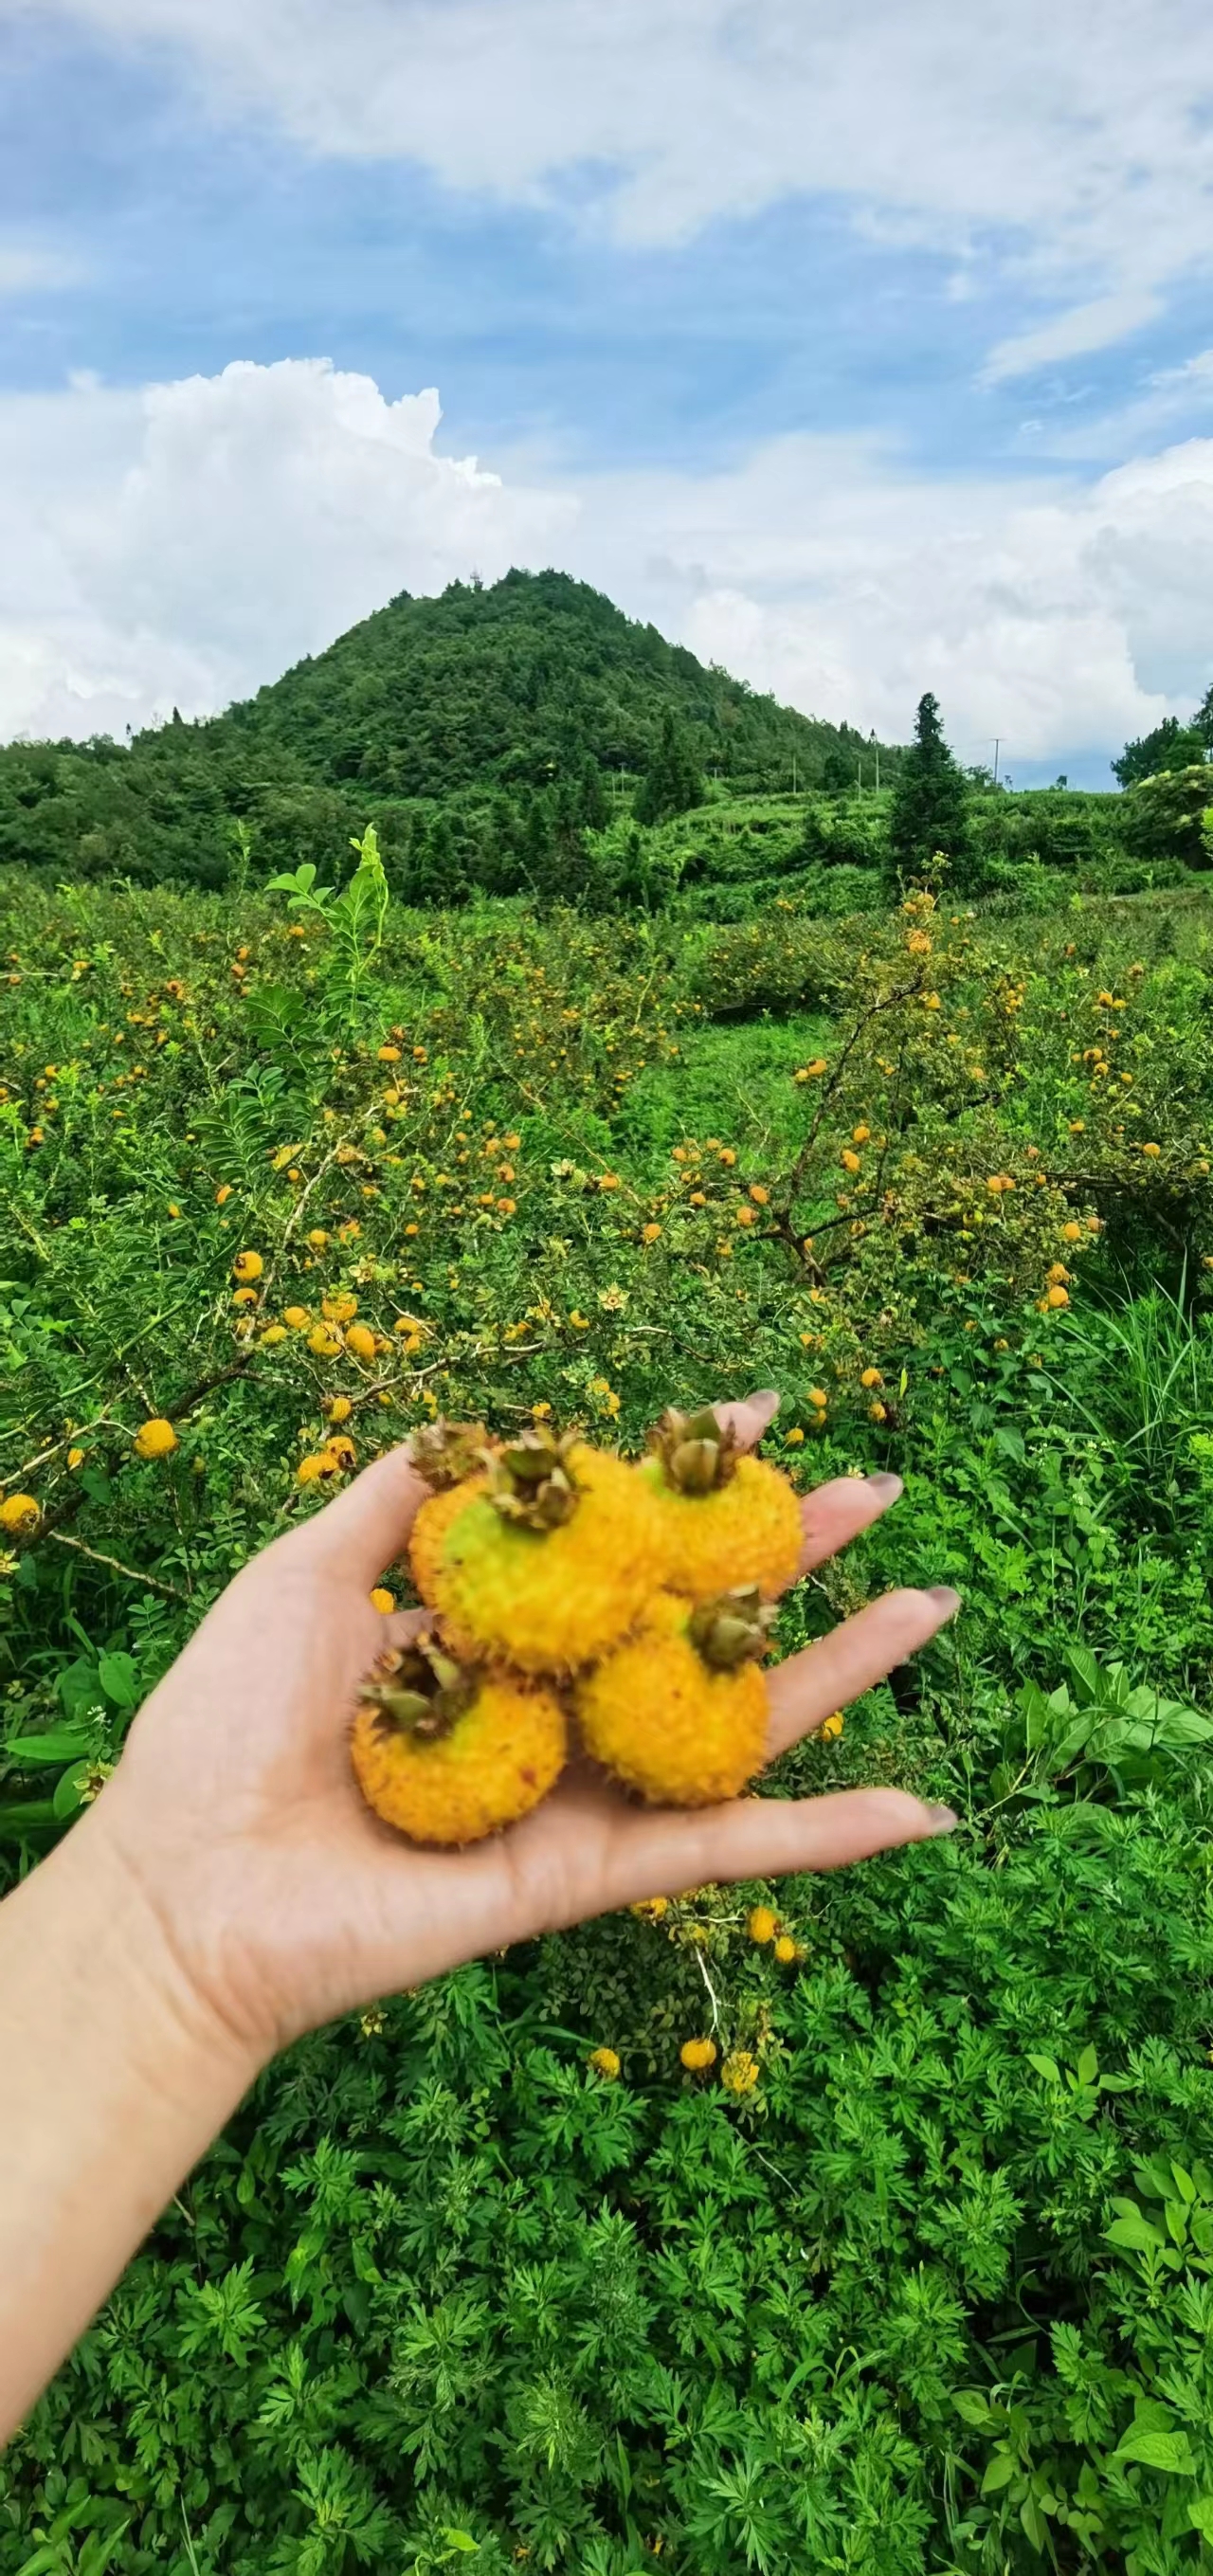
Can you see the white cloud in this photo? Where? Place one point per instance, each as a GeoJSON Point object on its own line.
{"type": "Point", "coordinates": [180, 545]}
{"type": "Point", "coordinates": [185, 543]}
{"type": "Point", "coordinates": [825, 573]}
{"type": "Point", "coordinates": [1076, 141]}
{"type": "Point", "coordinates": [28, 268]}
{"type": "Point", "coordinates": [1074, 334]}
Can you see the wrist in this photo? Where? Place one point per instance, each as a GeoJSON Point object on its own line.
{"type": "Point", "coordinates": [114, 2078]}
{"type": "Point", "coordinates": [106, 1943]}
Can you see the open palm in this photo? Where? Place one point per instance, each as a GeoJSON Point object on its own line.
{"type": "Point", "coordinates": [286, 1902]}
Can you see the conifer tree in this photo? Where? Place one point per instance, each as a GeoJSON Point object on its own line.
{"type": "Point", "coordinates": [929, 815]}
{"type": "Point", "coordinates": [671, 783]}
{"type": "Point", "coordinates": [595, 812]}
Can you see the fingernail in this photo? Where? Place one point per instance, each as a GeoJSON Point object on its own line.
{"type": "Point", "coordinates": [945, 1599]}
{"type": "Point", "coordinates": [888, 1487]}
{"type": "Point", "coordinates": [766, 1395]}
{"type": "Point", "coordinates": [942, 1820]}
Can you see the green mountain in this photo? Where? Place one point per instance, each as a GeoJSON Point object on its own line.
{"type": "Point", "coordinates": [480, 731]}
{"type": "Point", "coordinates": [513, 686]}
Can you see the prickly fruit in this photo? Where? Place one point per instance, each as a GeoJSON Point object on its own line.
{"type": "Point", "coordinates": [449, 1755]}
{"type": "Point", "coordinates": [448, 1455]}
{"type": "Point", "coordinates": [550, 1564]}
{"type": "Point", "coordinates": [724, 1517]}
{"type": "Point", "coordinates": [679, 1712]}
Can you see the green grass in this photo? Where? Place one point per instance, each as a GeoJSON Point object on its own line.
{"type": "Point", "coordinates": [731, 1082]}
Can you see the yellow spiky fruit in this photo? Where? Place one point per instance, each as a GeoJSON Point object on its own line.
{"type": "Point", "coordinates": [680, 1711]}
{"type": "Point", "coordinates": [448, 1756]}
{"type": "Point", "coordinates": [427, 1537]}
{"type": "Point", "coordinates": [448, 1455]}
{"type": "Point", "coordinates": [552, 1563]}
{"type": "Point", "coordinates": [723, 1517]}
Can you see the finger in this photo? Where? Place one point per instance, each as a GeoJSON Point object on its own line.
{"type": "Point", "coordinates": [806, 1690]}
{"type": "Point", "coordinates": [748, 1416]}
{"type": "Point", "coordinates": [366, 1527]}
{"type": "Point", "coordinates": [401, 1626]}
{"type": "Point", "coordinates": [836, 1513]}
{"type": "Point", "coordinates": [766, 1838]}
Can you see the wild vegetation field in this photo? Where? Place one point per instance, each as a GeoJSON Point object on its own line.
{"type": "Point", "coordinates": [935, 2293]}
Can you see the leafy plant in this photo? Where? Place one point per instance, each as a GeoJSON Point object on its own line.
{"type": "Point", "coordinates": [935, 2293]}
{"type": "Point", "coordinates": [356, 917]}
{"type": "Point", "coordinates": [1104, 1734]}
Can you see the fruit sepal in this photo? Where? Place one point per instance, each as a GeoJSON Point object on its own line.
{"type": "Point", "coordinates": [698, 1452]}
{"type": "Point", "coordinates": [445, 1453]}
{"type": "Point", "coordinates": [733, 1629]}
{"type": "Point", "coordinates": [531, 1481]}
{"type": "Point", "coordinates": [418, 1690]}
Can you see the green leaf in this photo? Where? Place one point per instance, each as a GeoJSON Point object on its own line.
{"type": "Point", "coordinates": [1071, 1744]}
{"type": "Point", "coordinates": [67, 1797]}
{"type": "Point", "coordinates": [1200, 2514]}
{"type": "Point", "coordinates": [1153, 2180]}
{"type": "Point", "coordinates": [1157, 2450]}
{"type": "Point", "coordinates": [119, 1679]}
{"type": "Point", "coordinates": [975, 2409]}
{"type": "Point", "coordinates": [999, 2473]}
{"type": "Point", "coordinates": [1035, 2526]}
{"type": "Point", "coordinates": [460, 2540]}
{"type": "Point", "coordinates": [1088, 2066]}
{"type": "Point", "coordinates": [1046, 2066]}
{"type": "Point", "coordinates": [1134, 2233]}
{"type": "Point", "coordinates": [26, 1815]}
{"type": "Point", "coordinates": [1037, 1716]}
{"type": "Point", "coordinates": [62, 1744]}
{"type": "Point", "coordinates": [1085, 1671]}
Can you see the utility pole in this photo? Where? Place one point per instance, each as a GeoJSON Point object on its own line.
{"type": "Point", "coordinates": [859, 774]}
{"type": "Point", "coordinates": [793, 773]}
{"type": "Point", "coordinates": [878, 769]}
{"type": "Point", "coordinates": [997, 741]}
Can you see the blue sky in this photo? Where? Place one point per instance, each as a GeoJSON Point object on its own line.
{"type": "Point", "coordinates": [861, 374]}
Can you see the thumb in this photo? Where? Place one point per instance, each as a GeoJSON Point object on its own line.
{"type": "Point", "coordinates": [360, 1533]}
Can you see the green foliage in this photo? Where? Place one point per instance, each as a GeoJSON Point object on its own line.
{"type": "Point", "coordinates": [504, 742]}
{"type": "Point", "coordinates": [515, 685]}
{"type": "Point", "coordinates": [845, 831]}
{"type": "Point", "coordinates": [1170, 746]}
{"type": "Point", "coordinates": [1164, 815]}
{"type": "Point", "coordinates": [482, 733]}
{"type": "Point", "coordinates": [929, 815]}
{"type": "Point", "coordinates": [938, 2294]}
{"type": "Point", "coordinates": [1061, 827]}
{"type": "Point", "coordinates": [355, 918]}
{"type": "Point", "coordinates": [671, 783]}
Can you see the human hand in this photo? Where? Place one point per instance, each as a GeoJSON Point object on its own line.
{"type": "Point", "coordinates": [283, 1901]}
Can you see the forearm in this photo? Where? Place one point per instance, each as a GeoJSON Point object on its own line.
{"type": "Point", "coordinates": [113, 2081]}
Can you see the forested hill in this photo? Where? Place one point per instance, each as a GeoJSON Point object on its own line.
{"type": "Point", "coordinates": [481, 732]}
{"type": "Point", "coordinates": [512, 686]}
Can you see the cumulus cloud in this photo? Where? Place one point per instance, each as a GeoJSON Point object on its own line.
{"type": "Point", "coordinates": [1026, 131]}
{"type": "Point", "coordinates": [186, 542]}
{"type": "Point", "coordinates": [824, 572]}
{"type": "Point", "coordinates": [181, 544]}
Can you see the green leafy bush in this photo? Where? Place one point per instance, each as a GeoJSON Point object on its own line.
{"type": "Point", "coordinates": [934, 2294]}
